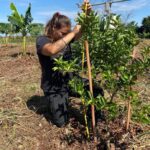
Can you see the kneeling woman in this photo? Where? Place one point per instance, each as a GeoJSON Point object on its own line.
{"type": "Point", "coordinates": [55, 43]}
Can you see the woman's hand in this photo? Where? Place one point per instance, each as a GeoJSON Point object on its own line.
{"type": "Point", "coordinates": [77, 29]}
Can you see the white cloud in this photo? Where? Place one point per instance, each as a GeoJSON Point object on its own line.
{"type": "Point", "coordinates": [130, 6]}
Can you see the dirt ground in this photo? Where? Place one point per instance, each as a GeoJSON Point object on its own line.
{"type": "Point", "coordinates": [24, 121]}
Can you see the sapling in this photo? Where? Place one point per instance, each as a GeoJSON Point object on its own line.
{"type": "Point", "coordinates": [78, 86]}
{"type": "Point", "coordinates": [111, 53]}
{"type": "Point", "coordinates": [86, 17]}
{"type": "Point", "coordinates": [113, 65]}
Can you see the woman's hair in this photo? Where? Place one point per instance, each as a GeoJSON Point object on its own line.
{"type": "Point", "coordinates": [56, 23]}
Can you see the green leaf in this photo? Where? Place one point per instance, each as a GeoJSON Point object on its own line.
{"type": "Point", "coordinates": [15, 13]}
{"type": "Point", "coordinates": [28, 17]}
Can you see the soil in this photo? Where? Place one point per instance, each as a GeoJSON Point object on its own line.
{"type": "Point", "coordinates": [24, 119]}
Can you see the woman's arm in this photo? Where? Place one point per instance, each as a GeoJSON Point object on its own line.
{"type": "Point", "coordinates": [54, 48]}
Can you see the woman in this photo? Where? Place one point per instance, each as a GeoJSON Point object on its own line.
{"type": "Point", "coordinates": [55, 43]}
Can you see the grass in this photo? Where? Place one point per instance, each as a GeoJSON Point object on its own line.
{"type": "Point", "coordinates": [16, 40]}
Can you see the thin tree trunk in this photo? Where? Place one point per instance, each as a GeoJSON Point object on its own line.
{"type": "Point", "coordinates": [83, 56]}
{"type": "Point", "coordinates": [85, 118]}
{"type": "Point", "coordinates": [24, 45]}
{"type": "Point", "coordinates": [6, 40]}
{"type": "Point", "coordinates": [83, 100]}
{"type": "Point", "coordinates": [128, 113]}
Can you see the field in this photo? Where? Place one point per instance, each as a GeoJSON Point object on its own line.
{"type": "Point", "coordinates": [24, 121]}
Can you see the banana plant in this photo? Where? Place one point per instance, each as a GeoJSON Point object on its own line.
{"type": "Point", "coordinates": [21, 24]}
{"type": "Point", "coordinates": [6, 29]}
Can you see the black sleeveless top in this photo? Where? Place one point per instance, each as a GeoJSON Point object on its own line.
{"type": "Point", "coordinates": [51, 81]}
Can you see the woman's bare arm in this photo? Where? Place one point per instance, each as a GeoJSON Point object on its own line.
{"type": "Point", "coordinates": [54, 48]}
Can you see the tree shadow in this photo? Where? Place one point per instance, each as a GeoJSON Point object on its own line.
{"type": "Point", "coordinates": [39, 104]}
{"type": "Point", "coordinates": [21, 54]}
{"type": "Point", "coordinates": [8, 45]}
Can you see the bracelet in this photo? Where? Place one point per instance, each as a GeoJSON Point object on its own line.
{"type": "Point", "coordinates": [64, 42]}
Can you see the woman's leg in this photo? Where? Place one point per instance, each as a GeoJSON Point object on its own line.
{"type": "Point", "coordinates": [58, 107]}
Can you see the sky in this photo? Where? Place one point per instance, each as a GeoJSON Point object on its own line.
{"type": "Point", "coordinates": [42, 10]}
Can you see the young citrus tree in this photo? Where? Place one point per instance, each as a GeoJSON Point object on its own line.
{"type": "Point", "coordinates": [111, 48]}
{"type": "Point", "coordinates": [111, 45]}
{"type": "Point", "coordinates": [21, 24]}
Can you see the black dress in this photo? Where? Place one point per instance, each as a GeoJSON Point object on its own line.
{"type": "Point", "coordinates": [53, 83]}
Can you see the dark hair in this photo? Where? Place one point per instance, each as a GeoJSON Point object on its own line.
{"type": "Point", "coordinates": [57, 22]}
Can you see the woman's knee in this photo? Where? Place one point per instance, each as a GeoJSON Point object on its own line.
{"type": "Point", "coordinates": [59, 122]}
{"type": "Point", "coordinates": [58, 108]}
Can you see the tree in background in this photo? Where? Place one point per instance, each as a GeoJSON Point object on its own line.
{"type": "Point", "coordinates": [21, 24]}
{"type": "Point", "coordinates": [6, 29]}
{"type": "Point", "coordinates": [144, 30]}
{"type": "Point", "coordinates": [36, 29]}
{"type": "Point", "coordinates": [146, 24]}
{"type": "Point", "coordinates": [133, 25]}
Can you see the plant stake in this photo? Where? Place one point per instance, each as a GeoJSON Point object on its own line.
{"type": "Point", "coordinates": [86, 44]}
